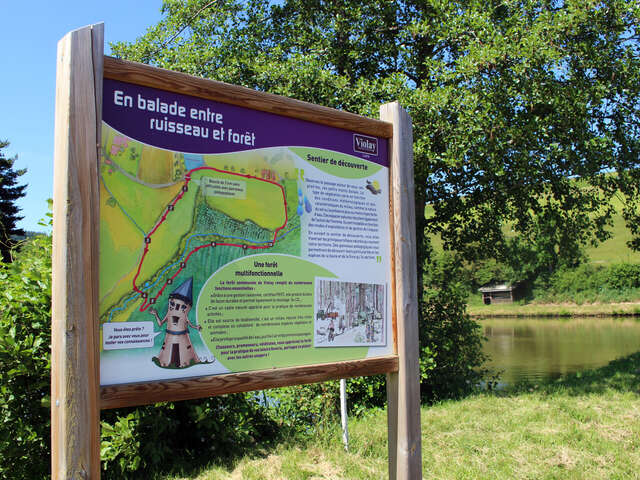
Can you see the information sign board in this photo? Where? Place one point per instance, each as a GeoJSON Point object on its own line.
{"type": "Point", "coordinates": [212, 239]}
{"type": "Point", "coordinates": [234, 239]}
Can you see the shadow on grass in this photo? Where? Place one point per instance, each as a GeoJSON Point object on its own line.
{"type": "Point", "coordinates": [183, 439]}
{"type": "Point", "coordinates": [187, 466]}
{"type": "Point", "coordinates": [622, 375]}
{"type": "Point", "coordinates": [190, 464]}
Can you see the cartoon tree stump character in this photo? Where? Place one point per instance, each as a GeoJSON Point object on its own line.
{"type": "Point", "coordinates": [177, 350]}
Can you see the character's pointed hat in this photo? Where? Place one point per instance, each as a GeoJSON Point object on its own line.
{"type": "Point", "coordinates": [184, 291]}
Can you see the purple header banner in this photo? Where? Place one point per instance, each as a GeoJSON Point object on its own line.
{"type": "Point", "coordinates": [194, 125]}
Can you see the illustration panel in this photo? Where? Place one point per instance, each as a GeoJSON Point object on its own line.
{"type": "Point", "coordinates": [349, 314]}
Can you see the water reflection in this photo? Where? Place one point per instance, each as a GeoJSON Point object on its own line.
{"type": "Point", "coordinates": [540, 349]}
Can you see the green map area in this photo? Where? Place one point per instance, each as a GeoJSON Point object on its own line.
{"type": "Point", "coordinates": [167, 216]}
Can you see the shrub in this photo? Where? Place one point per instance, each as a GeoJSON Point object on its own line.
{"type": "Point", "coordinates": [175, 436]}
{"type": "Point", "coordinates": [491, 271]}
{"type": "Point", "coordinates": [316, 406]}
{"type": "Point", "coordinates": [587, 282]}
{"type": "Point", "coordinates": [585, 278]}
{"type": "Point", "coordinates": [623, 276]}
{"type": "Point", "coordinates": [448, 270]}
{"type": "Point", "coordinates": [25, 338]}
{"type": "Point", "coordinates": [455, 341]}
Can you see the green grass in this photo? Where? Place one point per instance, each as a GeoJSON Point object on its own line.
{"type": "Point", "coordinates": [584, 426]}
{"type": "Point", "coordinates": [615, 250]}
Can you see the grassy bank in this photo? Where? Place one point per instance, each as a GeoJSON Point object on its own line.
{"type": "Point", "coordinates": [585, 426]}
{"type": "Point", "coordinates": [477, 309]}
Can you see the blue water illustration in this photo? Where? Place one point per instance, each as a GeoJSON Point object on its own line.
{"type": "Point", "coordinates": [192, 161]}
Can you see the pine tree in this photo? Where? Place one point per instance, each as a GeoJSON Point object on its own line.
{"type": "Point", "coordinates": [10, 191]}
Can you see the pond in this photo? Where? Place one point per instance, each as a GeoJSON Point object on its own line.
{"type": "Point", "coordinates": [536, 349]}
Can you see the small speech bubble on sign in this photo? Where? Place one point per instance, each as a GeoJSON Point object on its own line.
{"type": "Point", "coordinates": [119, 335]}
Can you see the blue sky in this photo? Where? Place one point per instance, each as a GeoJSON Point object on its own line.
{"type": "Point", "coordinates": [29, 33]}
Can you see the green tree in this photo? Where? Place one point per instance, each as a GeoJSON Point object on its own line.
{"type": "Point", "coordinates": [521, 109]}
{"type": "Point", "coordinates": [10, 191]}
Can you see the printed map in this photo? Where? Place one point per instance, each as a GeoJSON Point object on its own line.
{"type": "Point", "coordinates": [167, 216]}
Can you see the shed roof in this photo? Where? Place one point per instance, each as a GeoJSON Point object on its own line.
{"type": "Point", "coordinates": [503, 287]}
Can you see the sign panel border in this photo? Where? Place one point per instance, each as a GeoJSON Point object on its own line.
{"type": "Point", "coordinates": [139, 393]}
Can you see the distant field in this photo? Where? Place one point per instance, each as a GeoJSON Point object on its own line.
{"type": "Point", "coordinates": [614, 250]}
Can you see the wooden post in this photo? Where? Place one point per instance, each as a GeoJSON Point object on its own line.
{"type": "Point", "coordinates": [403, 387]}
{"type": "Point", "coordinates": [75, 408]}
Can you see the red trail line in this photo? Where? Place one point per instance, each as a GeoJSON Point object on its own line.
{"type": "Point", "coordinates": [149, 301]}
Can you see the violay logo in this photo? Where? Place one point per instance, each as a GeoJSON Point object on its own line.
{"type": "Point", "coordinates": [364, 144]}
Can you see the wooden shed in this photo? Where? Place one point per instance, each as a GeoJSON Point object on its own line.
{"type": "Point", "coordinates": [502, 293]}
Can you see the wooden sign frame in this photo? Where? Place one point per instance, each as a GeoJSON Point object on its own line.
{"type": "Point", "coordinates": [77, 397]}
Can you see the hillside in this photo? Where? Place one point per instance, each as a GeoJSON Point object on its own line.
{"type": "Point", "coordinates": [614, 250]}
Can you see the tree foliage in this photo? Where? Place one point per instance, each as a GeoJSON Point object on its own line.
{"type": "Point", "coordinates": [10, 191]}
{"type": "Point", "coordinates": [456, 342]}
{"type": "Point", "coordinates": [522, 109]}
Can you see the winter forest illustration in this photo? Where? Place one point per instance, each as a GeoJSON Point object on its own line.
{"type": "Point", "coordinates": [349, 314]}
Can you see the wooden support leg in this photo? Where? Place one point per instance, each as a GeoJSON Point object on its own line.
{"type": "Point", "coordinates": [405, 455]}
{"type": "Point", "coordinates": [75, 407]}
